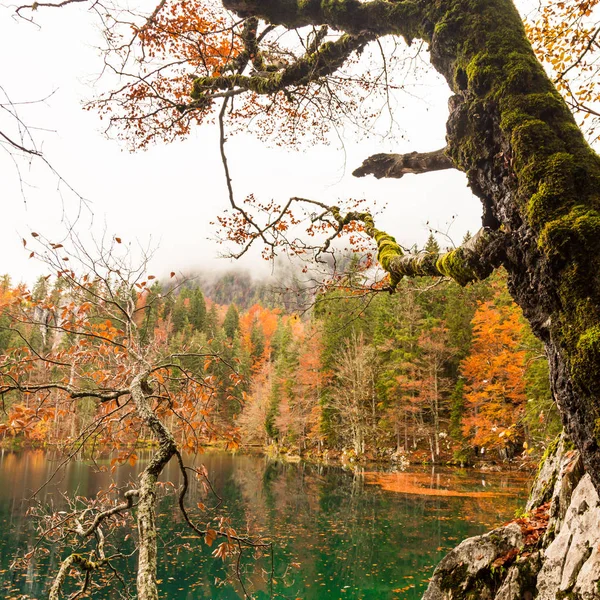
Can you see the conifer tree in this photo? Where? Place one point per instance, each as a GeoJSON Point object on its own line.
{"type": "Point", "coordinates": [231, 324]}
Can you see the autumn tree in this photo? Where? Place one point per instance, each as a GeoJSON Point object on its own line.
{"type": "Point", "coordinates": [495, 389]}
{"type": "Point", "coordinates": [354, 398]}
{"type": "Point", "coordinates": [434, 385]}
{"type": "Point", "coordinates": [566, 38]}
{"type": "Point", "coordinates": [309, 383]}
{"type": "Point", "coordinates": [94, 350]}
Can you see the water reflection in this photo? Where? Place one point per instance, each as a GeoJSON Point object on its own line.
{"type": "Point", "coordinates": [354, 535]}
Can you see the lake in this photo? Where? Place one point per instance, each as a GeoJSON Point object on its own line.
{"type": "Point", "coordinates": [335, 533]}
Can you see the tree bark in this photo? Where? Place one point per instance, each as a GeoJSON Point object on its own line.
{"type": "Point", "coordinates": [395, 166]}
{"type": "Point", "coordinates": [538, 180]}
{"type": "Point", "coordinates": [147, 587]}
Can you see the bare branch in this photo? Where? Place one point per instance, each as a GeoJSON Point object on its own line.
{"type": "Point", "coordinates": [396, 166]}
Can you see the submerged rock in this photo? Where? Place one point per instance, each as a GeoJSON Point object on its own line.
{"type": "Point", "coordinates": [551, 553]}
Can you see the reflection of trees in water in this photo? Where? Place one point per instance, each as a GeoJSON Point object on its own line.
{"type": "Point", "coordinates": [342, 531]}
{"type": "Point", "coordinates": [346, 529]}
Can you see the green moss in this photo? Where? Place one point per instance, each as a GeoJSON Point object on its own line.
{"type": "Point", "coordinates": [517, 108]}
{"type": "Point", "coordinates": [548, 453]}
{"type": "Point", "coordinates": [387, 250]}
{"type": "Point", "coordinates": [575, 233]}
{"type": "Point", "coordinates": [585, 360]}
{"type": "Point", "coordinates": [556, 188]}
{"type": "Point", "coordinates": [452, 264]}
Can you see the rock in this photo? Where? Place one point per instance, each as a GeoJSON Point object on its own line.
{"type": "Point", "coordinates": [466, 572]}
{"type": "Point", "coordinates": [552, 553]}
{"type": "Point", "coordinates": [571, 561]}
{"type": "Point", "coordinates": [544, 483]}
{"type": "Point", "coordinates": [520, 580]}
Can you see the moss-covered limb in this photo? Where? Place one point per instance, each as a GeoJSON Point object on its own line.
{"type": "Point", "coordinates": [395, 166]}
{"type": "Point", "coordinates": [73, 560]}
{"type": "Point", "coordinates": [379, 17]}
{"type": "Point", "coordinates": [475, 260]}
{"type": "Point", "coordinates": [251, 52]}
{"type": "Point", "coordinates": [327, 59]}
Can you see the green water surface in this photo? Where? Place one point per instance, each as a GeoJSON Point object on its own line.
{"type": "Point", "coordinates": [334, 534]}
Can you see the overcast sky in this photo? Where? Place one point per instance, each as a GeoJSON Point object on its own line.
{"type": "Point", "coordinates": [170, 193]}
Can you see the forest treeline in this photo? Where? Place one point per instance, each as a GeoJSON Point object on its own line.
{"type": "Point", "coordinates": [434, 372]}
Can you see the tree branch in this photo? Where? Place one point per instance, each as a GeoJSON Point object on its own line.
{"type": "Point", "coordinates": [102, 395]}
{"type": "Point", "coordinates": [396, 166]}
{"type": "Point", "coordinates": [329, 57]}
{"type": "Point", "coordinates": [473, 261]}
{"type": "Point", "coordinates": [378, 17]}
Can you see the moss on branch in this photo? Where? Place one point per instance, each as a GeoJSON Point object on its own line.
{"type": "Point", "coordinates": [379, 17]}
{"type": "Point", "coordinates": [327, 59]}
{"type": "Point", "coordinates": [473, 261]}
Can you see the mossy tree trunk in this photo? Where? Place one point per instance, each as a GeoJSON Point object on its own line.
{"type": "Point", "coordinates": [525, 158]}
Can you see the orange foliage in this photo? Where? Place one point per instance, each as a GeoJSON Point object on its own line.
{"type": "Point", "coordinates": [180, 41]}
{"type": "Point", "coordinates": [72, 348]}
{"type": "Point", "coordinates": [266, 320]}
{"type": "Point", "coordinates": [494, 370]}
{"type": "Point", "coordinates": [566, 38]}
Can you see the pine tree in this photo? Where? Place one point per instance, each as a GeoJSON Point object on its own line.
{"type": "Point", "coordinates": [231, 324]}
{"type": "Point", "coordinates": [197, 313]}
{"type": "Point", "coordinates": [257, 342]}
{"type": "Point", "coordinates": [180, 314]}
{"type": "Point", "coordinates": [212, 321]}
{"type": "Point", "coordinates": [432, 245]}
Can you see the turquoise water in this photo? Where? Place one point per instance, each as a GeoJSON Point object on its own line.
{"type": "Point", "coordinates": [335, 533]}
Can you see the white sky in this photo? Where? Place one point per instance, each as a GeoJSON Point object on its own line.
{"type": "Point", "coordinates": [172, 192]}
